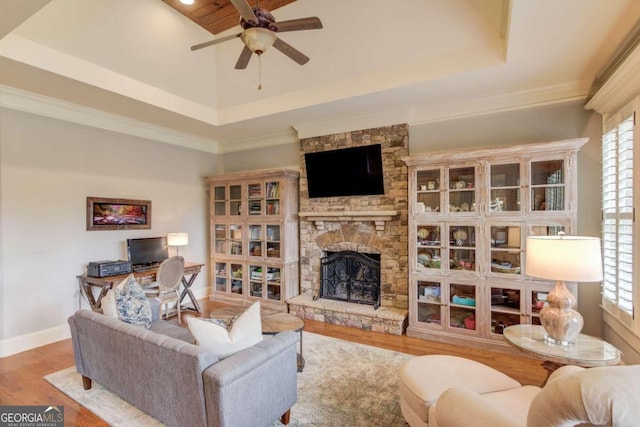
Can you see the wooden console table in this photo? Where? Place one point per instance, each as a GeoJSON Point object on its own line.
{"type": "Point", "coordinates": [191, 271]}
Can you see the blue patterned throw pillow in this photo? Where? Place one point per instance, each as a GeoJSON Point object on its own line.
{"type": "Point", "coordinates": [133, 305]}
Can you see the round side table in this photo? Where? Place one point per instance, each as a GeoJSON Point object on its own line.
{"type": "Point", "coordinates": [279, 322]}
{"type": "Point", "coordinates": [587, 351]}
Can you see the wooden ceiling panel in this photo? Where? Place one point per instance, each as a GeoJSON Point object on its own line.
{"type": "Point", "coordinates": [216, 16]}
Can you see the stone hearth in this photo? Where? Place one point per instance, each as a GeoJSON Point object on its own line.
{"type": "Point", "coordinates": [385, 319]}
{"type": "Point", "coordinates": [366, 224]}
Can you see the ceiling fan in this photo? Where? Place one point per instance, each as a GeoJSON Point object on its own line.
{"type": "Point", "coordinates": [259, 33]}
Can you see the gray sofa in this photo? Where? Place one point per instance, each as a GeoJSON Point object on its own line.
{"type": "Point", "coordinates": [163, 373]}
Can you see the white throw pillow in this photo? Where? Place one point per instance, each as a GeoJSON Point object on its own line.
{"type": "Point", "coordinates": [109, 301]}
{"type": "Point", "coordinates": [245, 332]}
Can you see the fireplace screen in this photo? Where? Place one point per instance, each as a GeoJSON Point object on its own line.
{"type": "Point", "coordinates": [351, 276]}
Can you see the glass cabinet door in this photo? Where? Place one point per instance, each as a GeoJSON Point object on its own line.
{"type": "Point", "coordinates": [221, 241]}
{"type": "Point", "coordinates": [272, 201]}
{"type": "Point", "coordinates": [236, 278]}
{"type": "Point", "coordinates": [462, 248]}
{"type": "Point", "coordinates": [462, 193]}
{"type": "Point", "coordinates": [235, 200]}
{"type": "Point", "coordinates": [256, 280]}
{"type": "Point", "coordinates": [235, 239]}
{"type": "Point", "coordinates": [255, 240]}
{"type": "Point", "coordinates": [428, 247]}
{"type": "Point", "coordinates": [264, 281]}
{"type": "Point", "coordinates": [273, 241]}
{"type": "Point", "coordinates": [429, 302]}
{"type": "Point", "coordinates": [506, 251]}
{"type": "Point", "coordinates": [462, 306]}
{"type": "Point", "coordinates": [505, 188]}
{"type": "Point", "coordinates": [429, 194]}
{"type": "Point", "coordinates": [220, 200]}
{"type": "Point", "coordinates": [273, 283]}
{"type": "Point", "coordinates": [547, 185]}
{"type": "Point", "coordinates": [254, 193]}
{"type": "Point", "coordinates": [221, 277]}
{"type": "Point", "coordinates": [505, 308]}
{"type": "Point", "coordinates": [228, 277]}
{"type": "Point", "coordinates": [255, 288]}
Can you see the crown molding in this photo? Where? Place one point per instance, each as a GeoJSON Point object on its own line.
{"type": "Point", "coordinates": [514, 101]}
{"type": "Point", "coordinates": [29, 102]}
{"type": "Point", "coordinates": [622, 85]}
{"type": "Point", "coordinates": [417, 115]}
{"type": "Point", "coordinates": [259, 142]}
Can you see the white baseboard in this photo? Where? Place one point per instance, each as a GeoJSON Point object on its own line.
{"type": "Point", "coordinates": [57, 333]}
{"type": "Point", "coordinates": [35, 339]}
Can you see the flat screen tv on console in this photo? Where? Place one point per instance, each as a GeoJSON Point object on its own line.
{"type": "Point", "coordinates": [147, 251]}
{"type": "Point", "coordinates": [355, 171]}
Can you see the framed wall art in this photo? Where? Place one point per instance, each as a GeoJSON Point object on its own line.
{"type": "Point", "coordinates": [118, 214]}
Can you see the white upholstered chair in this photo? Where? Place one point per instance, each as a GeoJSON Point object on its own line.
{"type": "Point", "coordinates": [168, 278]}
{"type": "Point", "coordinates": [449, 391]}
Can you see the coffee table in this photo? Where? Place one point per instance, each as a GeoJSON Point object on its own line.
{"type": "Point", "coordinates": [273, 322]}
{"type": "Point", "coordinates": [587, 351]}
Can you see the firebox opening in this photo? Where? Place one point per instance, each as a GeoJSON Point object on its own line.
{"type": "Point", "coordinates": [351, 276]}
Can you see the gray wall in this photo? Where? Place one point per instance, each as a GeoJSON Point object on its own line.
{"type": "Point", "coordinates": [48, 168]}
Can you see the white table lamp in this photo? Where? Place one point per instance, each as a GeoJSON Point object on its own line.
{"type": "Point", "coordinates": [177, 240]}
{"type": "Point", "coordinates": [563, 258]}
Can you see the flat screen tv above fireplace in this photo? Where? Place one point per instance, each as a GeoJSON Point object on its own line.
{"type": "Point", "coordinates": [355, 171]}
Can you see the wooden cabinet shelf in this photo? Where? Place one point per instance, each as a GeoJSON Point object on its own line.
{"type": "Point", "coordinates": [254, 237]}
{"type": "Point", "coordinates": [470, 213]}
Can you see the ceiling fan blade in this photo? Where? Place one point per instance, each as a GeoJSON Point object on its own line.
{"type": "Point", "coordinates": [291, 52]}
{"type": "Point", "coordinates": [216, 41]}
{"type": "Point", "coordinates": [245, 10]}
{"type": "Point", "coordinates": [310, 23]}
{"type": "Point", "coordinates": [244, 58]}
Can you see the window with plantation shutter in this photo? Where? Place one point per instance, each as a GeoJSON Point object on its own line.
{"type": "Point", "coordinates": [618, 215]}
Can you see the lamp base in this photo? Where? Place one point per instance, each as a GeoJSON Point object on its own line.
{"type": "Point", "coordinates": [561, 322]}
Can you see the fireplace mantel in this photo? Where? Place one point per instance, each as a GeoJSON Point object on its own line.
{"type": "Point", "coordinates": [378, 217]}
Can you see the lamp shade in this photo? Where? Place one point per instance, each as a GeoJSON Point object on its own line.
{"type": "Point", "coordinates": [177, 239]}
{"type": "Point", "coordinates": [568, 258]}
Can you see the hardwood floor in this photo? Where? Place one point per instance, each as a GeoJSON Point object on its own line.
{"type": "Point", "coordinates": [21, 381]}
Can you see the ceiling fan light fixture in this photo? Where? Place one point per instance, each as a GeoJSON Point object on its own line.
{"type": "Point", "coordinates": [258, 39]}
{"type": "Point", "coordinates": [187, 2]}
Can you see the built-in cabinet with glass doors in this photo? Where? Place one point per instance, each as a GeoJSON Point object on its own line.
{"type": "Point", "coordinates": [254, 237]}
{"type": "Point", "coordinates": [470, 213]}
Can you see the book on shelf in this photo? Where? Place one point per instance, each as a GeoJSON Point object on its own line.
{"type": "Point", "coordinates": [254, 191]}
{"type": "Point", "coordinates": [273, 190]}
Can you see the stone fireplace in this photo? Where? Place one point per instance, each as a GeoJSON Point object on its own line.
{"type": "Point", "coordinates": [373, 225]}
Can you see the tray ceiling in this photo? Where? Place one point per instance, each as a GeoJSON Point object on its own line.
{"type": "Point", "coordinates": [415, 61]}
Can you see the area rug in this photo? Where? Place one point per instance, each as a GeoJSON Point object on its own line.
{"type": "Point", "coordinates": [343, 384]}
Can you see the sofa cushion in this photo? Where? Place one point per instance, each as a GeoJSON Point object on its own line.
{"type": "Point", "coordinates": [245, 332]}
{"type": "Point", "coordinates": [133, 305]}
{"type": "Point", "coordinates": [109, 301]}
{"type": "Point", "coordinates": [172, 330]}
